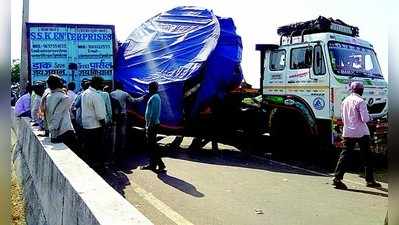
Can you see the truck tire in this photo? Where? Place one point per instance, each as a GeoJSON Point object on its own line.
{"type": "Point", "coordinates": [290, 133]}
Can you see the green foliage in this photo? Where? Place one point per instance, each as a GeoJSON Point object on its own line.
{"type": "Point", "coordinates": [15, 72]}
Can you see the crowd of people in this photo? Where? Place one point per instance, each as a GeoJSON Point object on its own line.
{"type": "Point", "coordinates": [92, 122]}
{"type": "Point", "coordinates": [95, 120]}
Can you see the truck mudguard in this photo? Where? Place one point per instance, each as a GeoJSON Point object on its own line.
{"type": "Point", "coordinates": [293, 103]}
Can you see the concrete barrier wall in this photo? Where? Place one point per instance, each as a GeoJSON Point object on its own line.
{"type": "Point", "coordinates": [60, 189]}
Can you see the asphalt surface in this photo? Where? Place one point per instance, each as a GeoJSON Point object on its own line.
{"type": "Point", "coordinates": [204, 187]}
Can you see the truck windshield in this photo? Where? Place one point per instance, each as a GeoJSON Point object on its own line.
{"type": "Point", "coordinates": [353, 60]}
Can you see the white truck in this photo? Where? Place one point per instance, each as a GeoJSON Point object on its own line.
{"type": "Point", "coordinates": [305, 78]}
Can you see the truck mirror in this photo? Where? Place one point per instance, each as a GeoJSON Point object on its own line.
{"type": "Point", "coordinates": [308, 57]}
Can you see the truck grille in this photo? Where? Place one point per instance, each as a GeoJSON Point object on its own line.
{"type": "Point", "coordinates": [376, 108]}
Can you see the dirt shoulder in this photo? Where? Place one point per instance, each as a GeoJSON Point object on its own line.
{"type": "Point", "coordinates": [17, 203]}
{"type": "Point", "coordinates": [16, 200]}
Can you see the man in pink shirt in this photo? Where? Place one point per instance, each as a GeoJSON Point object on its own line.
{"type": "Point", "coordinates": [355, 117]}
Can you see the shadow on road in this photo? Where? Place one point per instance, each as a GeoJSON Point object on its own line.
{"type": "Point", "coordinates": [180, 185]}
{"type": "Point", "coordinates": [116, 176]}
{"type": "Point", "coordinates": [232, 158]}
{"type": "Point", "coordinates": [137, 156]}
{"type": "Point", "coordinates": [117, 180]}
{"type": "Point", "coordinates": [382, 189]}
{"type": "Point", "coordinates": [368, 192]}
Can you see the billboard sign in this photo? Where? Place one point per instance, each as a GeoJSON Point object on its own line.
{"type": "Point", "coordinates": [73, 51]}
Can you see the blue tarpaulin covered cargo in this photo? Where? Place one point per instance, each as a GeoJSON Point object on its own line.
{"type": "Point", "coordinates": [193, 54]}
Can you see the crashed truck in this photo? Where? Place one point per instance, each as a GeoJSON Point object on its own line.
{"type": "Point", "coordinates": [307, 76]}
{"type": "Point", "coordinates": [195, 56]}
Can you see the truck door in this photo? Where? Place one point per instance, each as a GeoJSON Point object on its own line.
{"type": "Point", "coordinates": [321, 92]}
{"type": "Point", "coordinates": [275, 67]}
{"type": "Point", "coordinates": [307, 78]}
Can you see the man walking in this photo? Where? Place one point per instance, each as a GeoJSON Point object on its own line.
{"type": "Point", "coordinates": [152, 114]}
{"type": "Point", "coordinates": [355, 117]}
{"type": "Point", "coordinates": [93, 122]}
{"type": "Point", "coordinates": [57, 114]}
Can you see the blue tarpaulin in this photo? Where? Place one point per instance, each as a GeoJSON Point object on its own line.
{"type": "Point", "coordinates": [194, 55]}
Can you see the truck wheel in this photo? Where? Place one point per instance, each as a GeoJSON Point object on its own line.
{"type": "Point", "coordinates": [290, 133]}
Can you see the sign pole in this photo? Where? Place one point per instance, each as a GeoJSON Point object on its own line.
{"type": "Point", "coordinates": [24, 78]}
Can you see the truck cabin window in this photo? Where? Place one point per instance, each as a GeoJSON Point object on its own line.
{"type": "Point", "coordinates": [300, 58]}
{"type": "Point", "coordinates": [353, 60]}
{"type": "Point", "coordinates": [277, 60]}
{"type": "Point", "coordinates": [319, 67]}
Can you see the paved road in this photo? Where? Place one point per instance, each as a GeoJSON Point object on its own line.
{"type": "Point", "coordinates": [227, 187]}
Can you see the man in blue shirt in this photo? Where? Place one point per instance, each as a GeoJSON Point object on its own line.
{"type": "Point", "coordinates": [152, 113]}
{"type": "Point", "coordinates": [23, 105]}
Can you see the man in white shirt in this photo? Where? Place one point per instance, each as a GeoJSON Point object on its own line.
{"type": "Point", "coordinates": [93, 122]}
{"type": "Point", "coordinates": [71, 91]}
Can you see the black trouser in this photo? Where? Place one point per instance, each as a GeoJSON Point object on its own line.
{"type": "Point", "coordinates": [365, 153]}
{"type": "Point", "coordinates": [70, 140]}
{"type": "Point", "coordinates": [154, 151]}
{"type": "Point", "coordinates": [93, 139]}
{"type": "Point", "coordinates": [81, 141]}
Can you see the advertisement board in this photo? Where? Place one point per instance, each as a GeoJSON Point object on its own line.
{"type": "Point", "coordinates": [73, 51]}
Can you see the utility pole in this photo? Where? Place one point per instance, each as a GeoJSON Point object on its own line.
{"type": "Point", "coordinates": [24, 47]}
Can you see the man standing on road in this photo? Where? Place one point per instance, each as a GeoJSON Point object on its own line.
{"type": "Point", "coordinates": [71, 91]}
{"type": "Point", "coordinates": [38, 89]}
{"type": "Point", "coordinates": [76, 106]}
{"type": "Point", "coordinates": [120, 119]}
{"type": "Point", "coordinates": [93, 122]}
{"type": "Point", "coordinates": [355, 117]}
{"type": "Point", "coordinates": [72, 95]}
{"type": "Point", "coordinates": [152, 114]}
{"type": "Point", "coordinates": [77, 110]}
{"type": "Point", "coordinates": [107, 101]}
{"type": "Point", "coordinates": [57, 114]}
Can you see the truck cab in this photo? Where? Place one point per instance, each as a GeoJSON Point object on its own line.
{"type": "Point", "coordinates": [306, 77]}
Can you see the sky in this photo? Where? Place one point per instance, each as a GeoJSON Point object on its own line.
{"type": "Point", "coordinates": [256, 21]}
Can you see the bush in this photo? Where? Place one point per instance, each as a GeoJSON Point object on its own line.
{"type": "Point", "coordinates": [15, 72]}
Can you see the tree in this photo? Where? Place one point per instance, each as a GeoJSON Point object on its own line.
{"type": "Point", "coordinates": [15, 70]}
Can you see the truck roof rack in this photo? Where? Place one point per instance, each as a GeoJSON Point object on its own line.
{"type": "Point", "coordinates": [319, 25]}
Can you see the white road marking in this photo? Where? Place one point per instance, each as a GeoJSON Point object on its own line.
{"type": "Point", "coordinates": [162, 207]}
